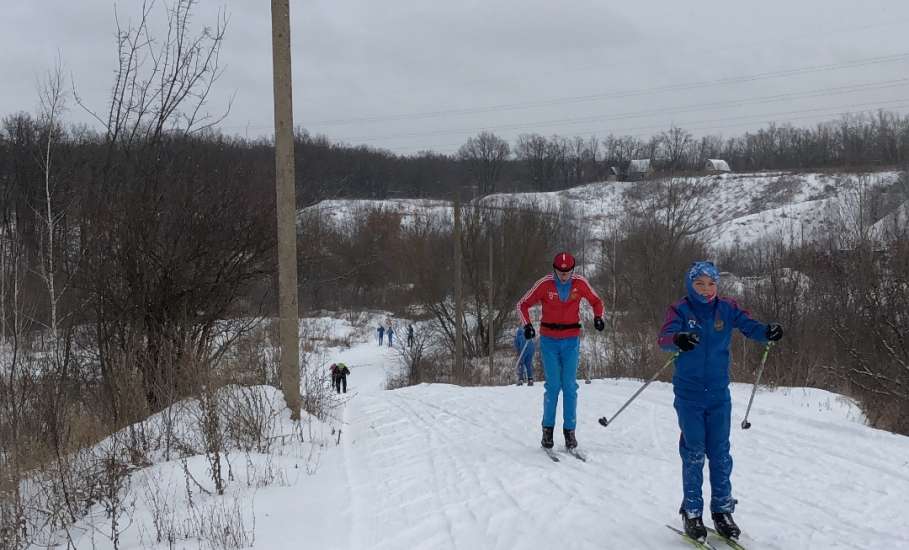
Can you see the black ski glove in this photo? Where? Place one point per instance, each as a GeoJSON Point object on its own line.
{"type": "Point", "coordinates": [686, 340]}
{"type": "Point", "coordinates": [599, 324]}
{"type": "Point", "coordinates": [529, 333]}
{"type": "Point", "coordinates": [774, 332]}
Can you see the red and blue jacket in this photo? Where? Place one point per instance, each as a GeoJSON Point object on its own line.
{"type": "Point", "coordinates": [561, 319]}
{"type": "Point", "coordinates": [704, 371]}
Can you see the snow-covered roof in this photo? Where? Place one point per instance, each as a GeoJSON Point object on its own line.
{"type": "Point", "coordinates": [639, 166]}
{"type": "Point", "coordinates": [718, 165]}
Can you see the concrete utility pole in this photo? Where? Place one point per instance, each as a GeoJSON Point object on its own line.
{"type": "Point", "coordinates": [286, 205]}
{"type": "Point", "coordinates": [492, 340]}
{"type": "Point", "coordinates": [459, 295]}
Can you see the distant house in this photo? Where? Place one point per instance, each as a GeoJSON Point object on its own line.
{"type": "Point", "coordinates": [716, 166]}
{"type": "Point", "coordinates": [638, 169]}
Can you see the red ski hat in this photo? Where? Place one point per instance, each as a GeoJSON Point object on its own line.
{"type": "Point", "coordinates": [563, 261]}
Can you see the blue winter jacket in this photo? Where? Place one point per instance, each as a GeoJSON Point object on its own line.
{"type": "Point", "coordinates": [519, 344]}
{"type": "Point", "coordinates": [704, 371]}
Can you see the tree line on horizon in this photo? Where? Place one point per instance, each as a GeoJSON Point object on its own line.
{"type": "Point", "coordinates": [487, 164]}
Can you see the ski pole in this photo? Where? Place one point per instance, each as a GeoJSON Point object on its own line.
{"type": "Point", "coordinates": [745, 423]}
{"type": "Point", "coordinates": [520, 355]}
{"type": "Point", "coordinates": [605, 422]}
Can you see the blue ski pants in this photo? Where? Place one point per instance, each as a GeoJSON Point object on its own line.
{"type": "Point", "coordinates": [525, 367]}
{"type": "Point", "coordinates": [560, 364]}
{"type": "Point", "coordinates": [705, 424]}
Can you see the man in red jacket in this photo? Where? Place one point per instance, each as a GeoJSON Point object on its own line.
{"type": "Point", "coordinates": [560, 331]}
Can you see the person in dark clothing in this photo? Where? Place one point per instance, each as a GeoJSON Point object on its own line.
{"type": "Point", "coordinates": [389, 331]}
{"type": "Point", "coordinates": [410, 336]}
{"type": "Point", "coordinates": [339, 372]}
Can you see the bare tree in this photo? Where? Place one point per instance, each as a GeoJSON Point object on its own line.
{"type": "Point", "coordinates": [535, 152]}
{"type": "Point", "coordinates": [659, 237]}
{"type": "Point", "coordinates": [485, 156]}
{"type": "Point", "coordinates": [522, 237]}
{"type": "Point", "coordinates": [676, 143]}
{"type": "Point", "coordinates": [162, 86]}
{"type": "Point", "coordinates": [172, 246]}
{"type": "Point", "coordinates": [413, 355]}
{"type": "Point", "coordinates": [858, 207]}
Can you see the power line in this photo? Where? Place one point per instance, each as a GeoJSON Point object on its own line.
{"type": "Point", "coordinates": [761, 43]}
{"type": "Point", "coordinates": [819, 92]}
{"type": "Point", "coordinates": [619, 94]}
{"type": "Point", "coordinates": [798, 37]}
{"type": "Point", "coordinates": [783, 73]}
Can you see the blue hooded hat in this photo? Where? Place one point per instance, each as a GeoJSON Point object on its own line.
{"type": "Point", "coordinates": [696, 270]}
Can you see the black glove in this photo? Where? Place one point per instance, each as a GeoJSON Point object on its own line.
{"type": "Point", "coordinates": [529, 333]}
{"type": "Point", "coordinates": [774, 332]}
{"type": "Point", "coordinates": [599, 324]}
{"type": "Point", "coordinates": [686, 340]}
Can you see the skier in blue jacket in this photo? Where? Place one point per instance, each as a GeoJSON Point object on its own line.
{"type": "Point", "coordinates": [525, 364]}
{"type": "Point", "coordinates": [699, 327]}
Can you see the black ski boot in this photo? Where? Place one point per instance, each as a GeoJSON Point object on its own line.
{"type": "Point", "coordinates": [725, 526]}
{"type": "Point", "coordinates": [520, 381]}
{"type": "Point", "coordinates": [694, 526]}
{"type": "Point", "coordinates": [530, 381]}
{"type": "Point", "coordinates": [570, 441]}
{"type": "Point", "coordinates": [547, 442]}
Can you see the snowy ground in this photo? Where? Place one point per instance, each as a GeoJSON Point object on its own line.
{"type": "Point", "coordinates": [439, 466]}
{"type": "Point", "coordinates": [443, 467]}
{"type": "Point", "coordinates": [744, 207]}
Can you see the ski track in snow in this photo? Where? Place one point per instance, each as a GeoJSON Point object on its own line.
{"type": "Point", "coordinates": [444, 467]}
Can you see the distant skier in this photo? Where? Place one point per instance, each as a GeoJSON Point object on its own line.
{"type": "Point", "coordinates": [525, 363]}
{"type": "Point", "coordinates": [381, 332]}
{"type": "Point", "coordinates": [339, 372]}
{"type": "Point", "coordinates": [699, 327]}
{"type": "Point", "coordinates": [560, 332]}
{"type": "Point", "coordinates": [389, 331]}
{"type": "Point", "coordinates": [410, 336]}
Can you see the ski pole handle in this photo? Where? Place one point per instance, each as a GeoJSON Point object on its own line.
{"type": "Point", "coordinates": [745, 423]}
{"type": "Point", "coordinates": [606, 422]}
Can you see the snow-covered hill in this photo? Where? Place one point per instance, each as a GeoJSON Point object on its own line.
{"type": "Point", "coordinates": [744, 207]}
{"type": "Point", "coordinates": [440, 467]}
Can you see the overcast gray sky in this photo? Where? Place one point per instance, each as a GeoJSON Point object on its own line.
{"type": "Point", "coordinates": [426, 75]}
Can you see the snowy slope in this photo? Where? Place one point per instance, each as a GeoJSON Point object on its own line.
{"type": "Point", "coordinates": [744, 207]}
{"type": "Point", "coordinates": [438, 466]}
{"type": "Point", "coordinates": [441, 467]}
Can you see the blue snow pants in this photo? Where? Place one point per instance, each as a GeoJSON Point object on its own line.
{"type": "Point", "coordinates": [705, 421]}
{"type": "Point", "coordinates": [525, 368]}
{"type": "Point", "coordinates": [560, 364]}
